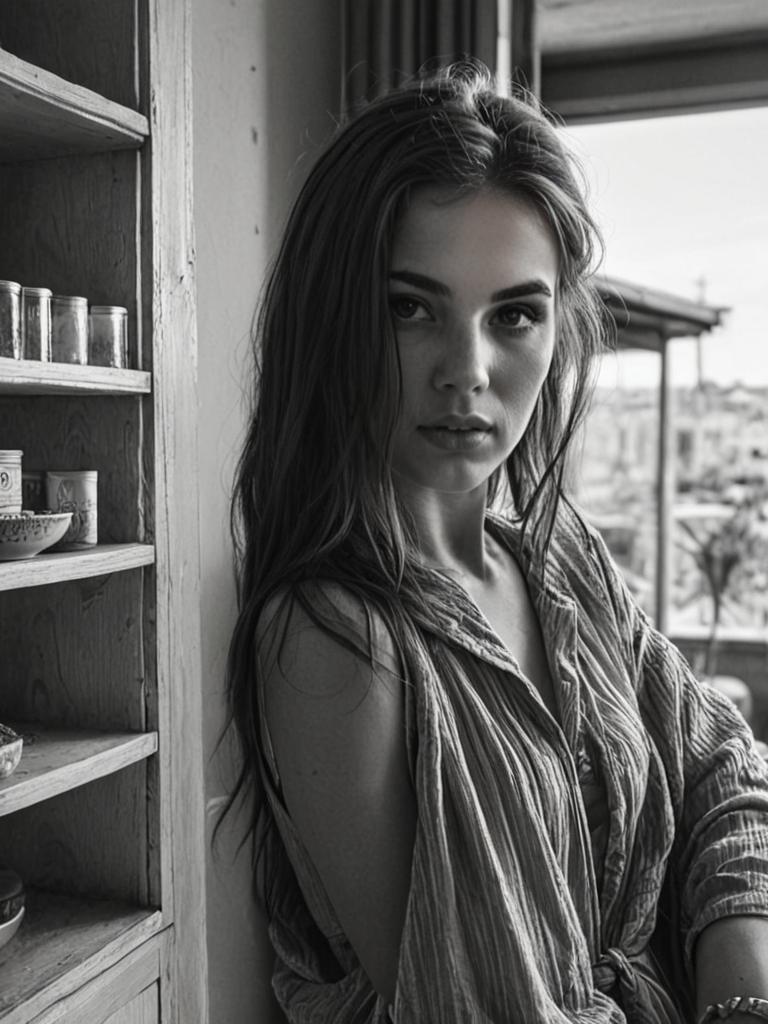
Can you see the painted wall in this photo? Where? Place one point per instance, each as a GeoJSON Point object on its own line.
{"type": "Point", "coordinates": [265, 79]}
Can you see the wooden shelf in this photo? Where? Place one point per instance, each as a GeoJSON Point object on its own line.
{"type": "Point", "coordinates": [53, 761]}
{"type": "Point", "coordinates": [62, 943]}
{"type": "Point", "coordinates": [42, 115]}
{"type": "Point", "coordinates": [61, 566]}
{"type": "Point", "coordinates": [31, 377]}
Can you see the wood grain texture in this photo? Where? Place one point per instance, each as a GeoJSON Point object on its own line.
{"type": "Point", "coordinates": [143, 1009]}
{"type": "Point", "coordinates": [61, 566]}
{"type": "Point", "coordinates": [88, 42]}
{"type": "Point", "coordinates": [56, 761]}
{"type": "Point", "coordinates": [170, 252]}
{"type": "Point", "coordinates": [64, 943]}
{"type": "Point", "coordinates": [90, 841]}
{"type": "Point", "coordinates": [42, 115]}
{"type": "Point", "coordinates": [30, 377]}
{"type": "Point", "coordinates": [130, 987]}
{"type": "Point", "coordinates": [73, 654]}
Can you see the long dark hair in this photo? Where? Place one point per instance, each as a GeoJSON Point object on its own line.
{"type": "Point", "coordinates": [314, 497]}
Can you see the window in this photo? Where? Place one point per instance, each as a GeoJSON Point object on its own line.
{"type": "Point", "coordinates": [683, 208]}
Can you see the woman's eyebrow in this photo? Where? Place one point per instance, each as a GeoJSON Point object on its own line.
{"type": "Point", "coordinates": [426, 284]}
{"type": "Point", "coordinates": [429, 284]}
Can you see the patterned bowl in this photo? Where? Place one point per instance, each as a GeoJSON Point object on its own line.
{"type": "Point", "coordinates": [28, 533]}
{"type": "Point", "coordinates": [10, 750]}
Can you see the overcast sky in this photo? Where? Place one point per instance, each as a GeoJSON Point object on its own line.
{"type": "Point", "coordinates": [681, 199]}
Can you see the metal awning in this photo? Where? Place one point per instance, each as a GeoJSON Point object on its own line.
{"type": "Point", "coordinates": [647, 318]}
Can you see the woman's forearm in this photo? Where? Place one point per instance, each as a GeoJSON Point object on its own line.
{"type": "Point", "coordinates": [731, 959]}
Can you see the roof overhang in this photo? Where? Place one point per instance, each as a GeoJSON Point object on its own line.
{"type": "Point", "coordinates": [648, 319]}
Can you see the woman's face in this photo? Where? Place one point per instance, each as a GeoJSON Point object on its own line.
{"type": "Point", "coordinates": [472, 294]}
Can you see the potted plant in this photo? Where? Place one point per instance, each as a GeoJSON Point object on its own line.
{"type": "Point", "coordinates": [725, 543]}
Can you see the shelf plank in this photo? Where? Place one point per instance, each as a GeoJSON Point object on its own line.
{"type": "Point", "coordinates": [62, 943]}
{"type": "Point", "coordinates": [53, 761]}
{"type": "Point", "coordinates": [43, 115]}
{"type": "Point", "coordinates": [60, 566]}
{"type": "Point", "coordinates": [31, 377]}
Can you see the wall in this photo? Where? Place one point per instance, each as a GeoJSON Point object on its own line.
{"type": "Point", "coordinates": [265, 78]}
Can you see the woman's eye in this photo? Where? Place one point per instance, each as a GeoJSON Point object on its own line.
{"type": "Point", "coordinates": [515, 316]}
{"type": "Point", "coordinates": [406, 308]}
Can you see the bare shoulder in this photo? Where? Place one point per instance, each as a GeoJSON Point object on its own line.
{"type": "Point", "coordinates": [325, 642]}
{"type": "Point", "coordinates": [333, 691]}
{"type": "Point", "coordinates": [335, 708]}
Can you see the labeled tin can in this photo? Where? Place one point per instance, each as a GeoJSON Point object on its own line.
{"type": "Point", "coordinates": [36, 323]}
{"type": "Point", "coordinates": [10, 319]}
{"type": "Point", "coordinates": [75, 491]}
{"type": "Point", "coordinates": [10, 481]}
{"type": "Point", "coordinates": [69, 329]}
{"type": "Point", "coordinates": [108, 335]}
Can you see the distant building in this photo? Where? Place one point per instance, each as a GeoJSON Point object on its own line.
{"type": "Point", "coordinates": [720, 447]}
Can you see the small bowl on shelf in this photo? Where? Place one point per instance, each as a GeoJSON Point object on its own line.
{"type": "Point", "coordinates": [9, 928]}
{"type": "Point", "coordinates": [10, 751]}
{"type": "Point", "coordinates": [26, 534]}
{"type": "Point", "coordinates": [12, 900]}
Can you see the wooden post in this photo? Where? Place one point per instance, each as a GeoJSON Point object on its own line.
{"type": "Point", "coordinates": [665, 485]}
{"type": "Point", "coordinates": [170, 251]}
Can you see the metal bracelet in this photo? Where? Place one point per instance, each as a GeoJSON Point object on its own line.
{"type": "Point", "coordinates": [736, 1004]}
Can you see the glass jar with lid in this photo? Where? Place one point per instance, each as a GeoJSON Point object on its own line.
{"type": "Point", "coordinates": [10, 319]}
{"type": "Point", "coordinates": [69, 329]}
{"type": "Point", "coordinates": [108, 335]}
{"type": "Point", "coordinates": [36, 323]}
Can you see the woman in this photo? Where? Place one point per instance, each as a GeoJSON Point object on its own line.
{"type": "Point", "coordinates": [485, 789]}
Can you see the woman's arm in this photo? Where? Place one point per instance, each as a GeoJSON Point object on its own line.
{"type": "Point", "coordinates": [731, 959]}
{"type": "Point", "coordinates": [719, 789]}
{"type": "Point", "coordinates": [338, 728]}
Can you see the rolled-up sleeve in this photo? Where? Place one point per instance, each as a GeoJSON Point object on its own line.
{"type": "Point", "coordinates": [721, 848]}
{"type": "Point", "coordinates": [717, 780]}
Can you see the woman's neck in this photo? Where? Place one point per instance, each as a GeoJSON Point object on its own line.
{"type": "Point", "coordinates": [449, 529]}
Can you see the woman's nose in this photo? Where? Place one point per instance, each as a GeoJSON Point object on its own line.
{"type": "Point", "coordinates": [463, 364]}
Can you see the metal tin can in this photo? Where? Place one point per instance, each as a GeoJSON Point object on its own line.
{"type": "Point", "coordinates": [10, 481]}
{"type": "Point", "coordinates": [108, 335]}
{"type": "Point", "coordinates": [10, 319]}
{"type": "Point", "coordinates": [69, 329]}
{"type": "Point", "coordinates": [36, 323]}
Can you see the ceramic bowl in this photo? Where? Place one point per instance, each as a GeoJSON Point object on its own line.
{"type": "Point", "coordinates": [27, 534]}
{"type": "Point", "coordinates": [9, 929]}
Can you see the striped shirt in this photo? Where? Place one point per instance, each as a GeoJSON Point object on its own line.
{"type": "Point", "coordinates": [562, 867]}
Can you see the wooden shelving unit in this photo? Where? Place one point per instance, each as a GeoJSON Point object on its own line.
{"type": "Point", "coordinates": [99, 648]}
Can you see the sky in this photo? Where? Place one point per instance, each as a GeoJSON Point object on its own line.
{"type": "Point", "coordinates": [683, 206]}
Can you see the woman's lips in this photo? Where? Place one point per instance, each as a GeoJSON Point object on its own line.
{"type": "Point", "coordinates": [453, 439]}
